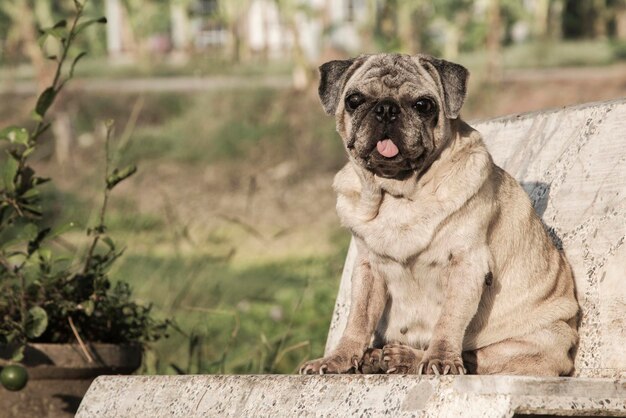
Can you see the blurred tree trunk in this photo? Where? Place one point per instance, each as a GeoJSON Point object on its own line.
{"type": "Point", "coordinates": [291, 12]}
{"type": "Point", "coordinates": [599, 18]}
{"type": "Point", "coordinates": [410, 20]}
{"type": "Point", "coordinates": [235, 40]}
{"type": "Point", "coordinates": [301, 69]}
{"type": "Point", "coordinates": [265, 49]}
{"type": "Point", "coordinates": [181, 26]}
{"type": "Point", "coordinates": [22, 14]}
{"type": "Point", "coordinates": [451, 45]}
{"type": "Point", "coordinates": [494, 34]}
{"type": "Point", "coordinates": [43, 13]}
{"type": "Point", "coordinates": [620, 20]}
{"type": "Point", "coordinates": [541, 19]}
{"type": "Point", "coordinates": [113, 12]}
{"type": "Point", "coordinates": [555, 19]}
{"type": "Point", "coordinates": [121, 39]}
{"type": "Point", "coordinates": [454, 30]}
{"type": "Point", "coordinates": [366, 30]}
{"type": "Point", "coordinates": [234, 13]}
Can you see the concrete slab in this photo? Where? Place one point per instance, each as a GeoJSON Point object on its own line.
{"type": "Point", "coordinates": [572, 162]}
{"type": "Point", "coordinates": [350, 395]}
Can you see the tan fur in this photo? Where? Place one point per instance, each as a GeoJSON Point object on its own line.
{"type": "Point", "coordinates": [426, 246]}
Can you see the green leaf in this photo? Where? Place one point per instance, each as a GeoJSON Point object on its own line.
{"type": "Point", "coordinates": [28, 151]}
{"type": "Point", "coordinates": [60, 24]}
{"type": "Point", "coordinates": [61, 229]}
{"type": "Point", "coordinates": [57, 32]}
{"type": "Point", "coordinates": [18, 354]}
{"type": "Point", "coordinates": [36, 322]}
{"type": "Point", "coordinates": [109, 242]}
{"type": "Point", "coordinates": [80, 27]}
{"type": "Point", "coordinates": [17, 258]}
{"type": "Point", "coordinates": [34, 116]}
{"type": "Point", "coordinates": [14, 235]}
{"type": "Point", "coordinates": [9, 171]}
{"type": "Point", "coordinates": [45, 101]}
{"type": "Point", "coordinates": [15, 135]}
{"type": "Point", "coordinates": [28, 232]}
{"type": "Point", "coordinates": [78, 57]}
{"type": "Point", "coordinates": [30, 194]}
{"type": "Point", "coordinates": [88, 306]}
{"type": "Point", "coordinates": [32, 209]}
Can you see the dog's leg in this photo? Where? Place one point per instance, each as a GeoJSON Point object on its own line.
{"type": "Point", "coordinates": [367, 303]}
{"type": "Point", "coordinates": [371, 195]}
{"type": "Point", "coordinates": [465, 279]}
{"type": "Point", "coordinates": [545, 352]}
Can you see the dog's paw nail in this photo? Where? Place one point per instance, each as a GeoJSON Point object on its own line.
{"type": "Point", "coordinates": [461, 370]}
{"type": "Point", "coordinates": [446, 369]}
{"type": "Point", "coordinates": [323, 368]}
{"type": "Point", "coordinates": [420, 369]}
{"type": "Point", "coordinates": [435, 369]}
{"type": "Point", "coordinates": [393, 369]}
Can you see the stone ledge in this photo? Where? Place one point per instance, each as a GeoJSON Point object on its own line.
{"type": "Point", "coordinates": [350, 395]}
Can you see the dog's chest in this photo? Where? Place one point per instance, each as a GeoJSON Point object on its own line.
{"type": "Point", "coordinates": [416, 293]}
{"type": "Point", "coordinates": [402, 228]}
{"type": "Point", "coordinates": [409, 252]}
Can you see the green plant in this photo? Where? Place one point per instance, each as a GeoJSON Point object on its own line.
{"type": "Point", "coordinates": [45, 296]}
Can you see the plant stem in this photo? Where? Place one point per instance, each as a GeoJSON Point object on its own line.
{"type": "Point", "coordinates": [105, 201]}
{"type": "Point", "coordinates": [81, 343]}
{"type": "Point", "coordinates": [65, 46]}
{"type": "Point", "coordinates": [22, 299]}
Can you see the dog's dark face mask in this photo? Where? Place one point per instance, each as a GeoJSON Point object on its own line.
{"type": "Point", "coordinates": [389, 108]}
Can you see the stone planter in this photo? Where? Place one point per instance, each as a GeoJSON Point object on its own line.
{"type": "Point", "coordinates": [60, 374]}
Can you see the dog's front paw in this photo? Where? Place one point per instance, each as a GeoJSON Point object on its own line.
{"type": "Point", "coordinates": [371, 363]}
{"type": "Point", "coordinates": [401, 359]}
{"type": "Point", "coordinates": [438, 360]}
{"type": "Point", "coordinates": [333, 364]}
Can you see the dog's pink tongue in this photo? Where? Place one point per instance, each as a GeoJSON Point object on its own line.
{"type": "Point", "coordinates": [387, 148]}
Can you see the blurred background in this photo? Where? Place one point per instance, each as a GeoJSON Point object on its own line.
{"type": "Point", "coordinates": [229, 225]}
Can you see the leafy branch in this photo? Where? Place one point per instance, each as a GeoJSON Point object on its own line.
{"type": "Point", "coordinates": [42, 298]}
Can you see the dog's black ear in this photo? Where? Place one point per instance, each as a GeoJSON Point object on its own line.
{"type": "Point", "coordinates": [453, 83]}
{"type": "Point", "coordinates": [333, 76]}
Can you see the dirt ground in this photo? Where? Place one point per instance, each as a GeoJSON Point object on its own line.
{"type": "Point", "coordinates": [529, 90]}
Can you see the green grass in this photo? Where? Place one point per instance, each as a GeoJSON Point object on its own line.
{"type": "Point", "coordinates": [262, 317]}
{"type": "Point", "coordinates": [241, 303]}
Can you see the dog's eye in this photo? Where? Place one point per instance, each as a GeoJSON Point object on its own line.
{"type": "Point", "coordinates": [424, 106]}
{"type": "Point", "coordinates": [354, 100]}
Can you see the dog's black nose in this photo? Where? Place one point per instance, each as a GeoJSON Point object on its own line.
{"type": "Point", "coordinates": [387, 110]}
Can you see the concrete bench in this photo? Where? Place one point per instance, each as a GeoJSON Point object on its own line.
{"type": "Point", "coordinates": [572, 162]}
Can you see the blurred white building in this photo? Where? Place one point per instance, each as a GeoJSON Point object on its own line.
{"type": "Point", "coordinates": [265, 30]}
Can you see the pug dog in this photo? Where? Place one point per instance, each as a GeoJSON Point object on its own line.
{"type": "Point", "coordinates": [455, 271]}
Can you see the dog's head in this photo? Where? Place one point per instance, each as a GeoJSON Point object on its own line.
{"type": "Point", "coordinates": [393, 110]}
